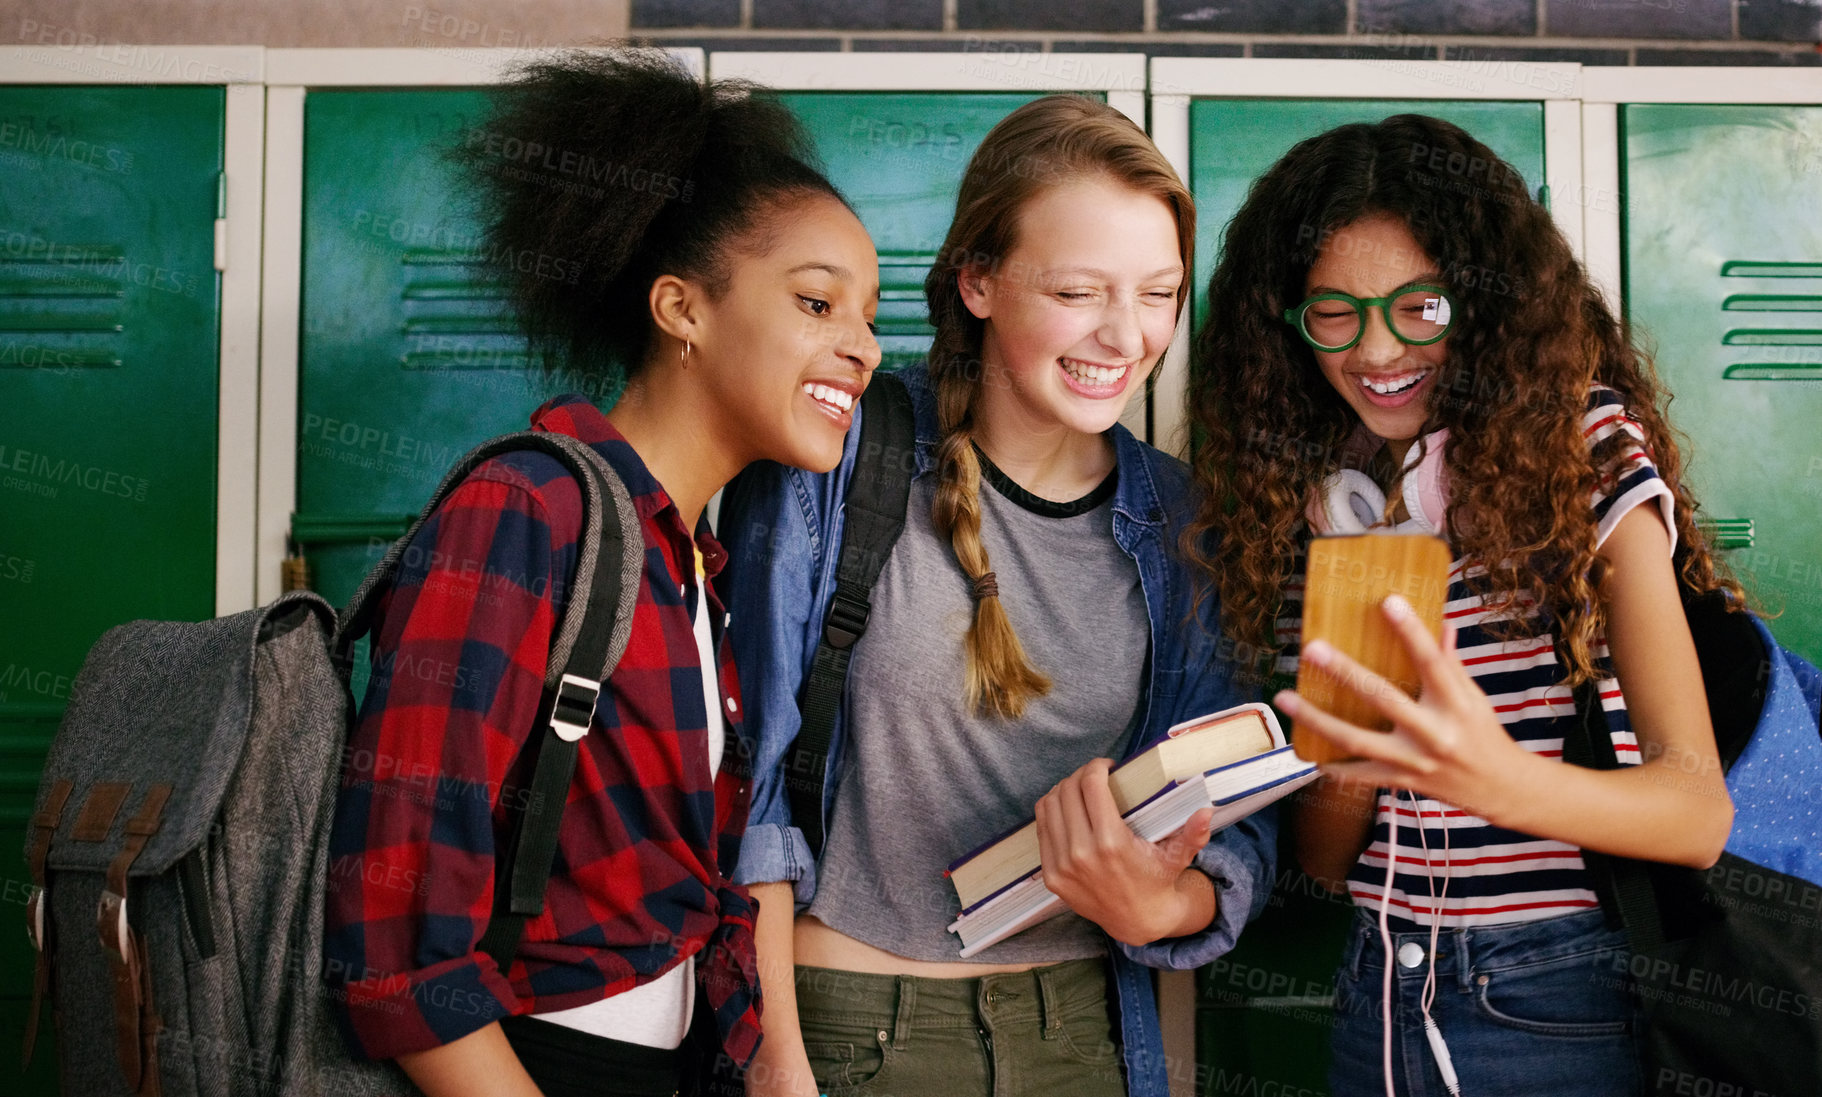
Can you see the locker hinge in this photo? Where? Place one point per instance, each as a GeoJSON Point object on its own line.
{"type": "Point", "coordinates": [221, 220]}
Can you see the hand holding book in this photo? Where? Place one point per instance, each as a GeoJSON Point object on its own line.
{"type": "Point", "coordinates": [1138, 891]}
{"type": "Point", "coordinates": [1235, 760]}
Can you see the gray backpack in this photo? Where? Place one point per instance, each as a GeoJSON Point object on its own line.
{"type": "Point", "coordinates": [180, 843]}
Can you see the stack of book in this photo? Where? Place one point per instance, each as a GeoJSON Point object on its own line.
{"type": "Point", "coordinates": [1235, 761]}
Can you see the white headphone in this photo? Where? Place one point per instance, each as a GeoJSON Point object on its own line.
{"type": "Point", "coordinates": [1351, 502]}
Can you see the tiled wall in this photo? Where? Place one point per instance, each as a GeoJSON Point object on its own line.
{"type": "Point", "coordinates": [1594, 32]}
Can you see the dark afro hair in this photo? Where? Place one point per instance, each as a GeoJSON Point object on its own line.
{"type": "Point", "coordinates": [599, 171]}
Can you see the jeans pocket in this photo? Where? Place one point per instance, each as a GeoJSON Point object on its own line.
{"type": "Point", "coordinates": [1571, 996]}
{"type": "Point", "coordinates": [842, 1057]}
{"type": "Point", "coordinates": [1088, 1037]}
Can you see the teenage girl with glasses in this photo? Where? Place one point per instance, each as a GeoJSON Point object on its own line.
{"type": "Point", "coordinates": [1391, 346]}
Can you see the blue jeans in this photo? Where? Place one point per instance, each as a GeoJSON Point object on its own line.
{"type": "Point", "coordinates": [1525, 1009]}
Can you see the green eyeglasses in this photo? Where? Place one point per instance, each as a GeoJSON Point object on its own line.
{"type": "Point", "coordinates": [1416, 315]}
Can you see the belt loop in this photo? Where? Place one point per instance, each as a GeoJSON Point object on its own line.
{"type": "Point", "coordinates": [1464, 960]}
{"type": "Point", "coordinates": [1048, 995]}
{"type": "Point", "coordinates": [1363, 940]}
{"type": "Point", "coordinates": [907, 1004]}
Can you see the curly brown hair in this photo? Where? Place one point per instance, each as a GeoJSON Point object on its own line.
{"type": "Point", "coordinates": [1045, 143]}
{"type": "Point", "coordinates": [1531, 335]}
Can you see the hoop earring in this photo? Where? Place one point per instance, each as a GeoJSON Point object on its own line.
{"type": "Point", "coordinates": [683, 355]}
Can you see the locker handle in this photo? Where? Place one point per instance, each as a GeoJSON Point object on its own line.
{"type": "Point", "coordinates": [324, 529]}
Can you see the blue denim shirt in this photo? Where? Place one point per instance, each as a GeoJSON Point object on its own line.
{"type": "Point", "coordinates": [782, 528]}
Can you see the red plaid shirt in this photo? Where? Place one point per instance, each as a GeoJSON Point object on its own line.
{"type": "Point", "coordinates": [436, 771]}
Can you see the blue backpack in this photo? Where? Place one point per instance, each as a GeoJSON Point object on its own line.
{"type": "Point", "coordinates": [1727, 963]}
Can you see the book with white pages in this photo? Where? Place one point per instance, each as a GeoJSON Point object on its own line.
{"type": "Point", "coordinates": [1187, 749]}
{"type": "Point", "coordinates": [1235, 790]}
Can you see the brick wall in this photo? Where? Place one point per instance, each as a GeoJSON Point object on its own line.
{"type": "Point", "coordinates": [1594, 32]}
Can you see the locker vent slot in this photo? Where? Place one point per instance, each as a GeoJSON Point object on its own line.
{"type": "Point", "coordinates": [73, 291]}
{"type": "Point", "coordinates": [1739, 268]}
{"type": "Point", "coordinates": [472, 358]}
{"type": "Point", "coordinates": [1798, 353]}
{"type": "Point", "coordinates": [31, 356]}
{"type": "Point", "coordinates": [1773, 337]}
{"type": "Point", "coordinates": [1727, 533]}
{"type": "Point", "coordinates": [457, 315]}
{"type": "Point", "coordinates": [903, 320]}
{"type": "Point", "coordinates": [461, 325]}
{"type": "Point", "coordinates": [454, 291]}
{"type": "Point", "coordinates": [1765, 302]}
{"type": "Point", "coordinates": [1773, 371]}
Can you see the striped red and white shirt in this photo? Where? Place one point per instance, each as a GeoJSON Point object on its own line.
{"type": "Point", "coordinates": [1455, 867]}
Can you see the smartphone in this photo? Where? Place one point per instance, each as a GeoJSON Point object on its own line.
{"type": "Point", "coordinates": [1347, 579]}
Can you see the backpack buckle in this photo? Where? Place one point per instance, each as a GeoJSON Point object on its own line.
{"type": "Point", "coordinates": [846, 622]}
{"type": "Point", "coordinates": [34, 919]}
{"type": "Point", "coordinates": [111, 924]}
{"type": "Point", "coordinates": [574, 709]}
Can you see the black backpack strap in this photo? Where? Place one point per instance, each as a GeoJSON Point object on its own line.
{"type": "Point", "coordinates": [597, 623]}
{"type": "Point", "coordinates": [1623, 884]}
{"type": "Point", "coordinates": [585, 647]}
{"type": "Point", "coordinates": [874, 515]}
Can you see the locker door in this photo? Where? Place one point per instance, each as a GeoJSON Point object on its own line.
{"type": "Point", "coordinates": [898, 157]}
{"type": "Point", "coordinates": [408, 354]}
{"type": "Point", "coordinates": [1264, 1009]}
{"type": "Point", "coordinates": [109, 333]}
{"type": "Point", "coordinates": [1723, 275]}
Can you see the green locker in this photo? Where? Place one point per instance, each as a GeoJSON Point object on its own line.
{"type": "Point", "coordinates": [1723, 277]}
{"type": "Point", "coordinates": [109, 336]}
{"type": "Point", "coordinates": [1263, 1011]}
{"type": "Point", "coordinates": [409, 354]}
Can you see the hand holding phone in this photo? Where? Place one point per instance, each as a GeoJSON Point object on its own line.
{"type": "Point", "coordinates": [1347, 580]}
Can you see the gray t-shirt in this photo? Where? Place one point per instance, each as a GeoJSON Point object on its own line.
{"type": "Point", "coordinates": [925, 779]}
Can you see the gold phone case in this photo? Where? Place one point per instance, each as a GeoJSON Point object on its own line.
{"type": "Point", "coordinates": [1348, 578]}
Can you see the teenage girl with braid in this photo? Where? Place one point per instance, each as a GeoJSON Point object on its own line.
{"type": "Point", "coordinates": [1390, 345]}
{"type": "Point", "coordinates": [1030, 624]}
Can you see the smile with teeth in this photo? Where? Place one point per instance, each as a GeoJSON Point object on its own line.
{"type": "Point", "coordinates": [1093, 375]}
{"type": "Point", "coordinates": [831, 397]}
{"type": "Point", "coordinates": [1391, 386]}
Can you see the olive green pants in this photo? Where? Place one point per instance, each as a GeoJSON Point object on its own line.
{"type": "Point", "coordinates": [1048, 1032]}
